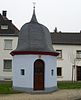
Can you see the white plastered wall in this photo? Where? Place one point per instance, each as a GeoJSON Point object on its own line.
{"type": "Point", "coordinates": [66, 62]}
{"type": "Point", "coordinates": [5, 54]}
{"type": "Point", "coordinates": [27, 62]}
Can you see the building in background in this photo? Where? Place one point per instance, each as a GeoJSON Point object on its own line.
{"type": "Point", "coordinates": [8, 42]}
{"type": "Point", "coordinates": [69, 60]}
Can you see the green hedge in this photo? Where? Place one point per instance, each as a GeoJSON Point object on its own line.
{"type": "Point", "coordinates": [69, 85]}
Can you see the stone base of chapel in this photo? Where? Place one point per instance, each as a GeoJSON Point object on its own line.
{"type": "Point", "coordinates": [31, 90]}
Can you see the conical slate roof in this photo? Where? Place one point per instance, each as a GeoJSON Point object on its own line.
{"type": "Point", "coordinates": [34, 38]}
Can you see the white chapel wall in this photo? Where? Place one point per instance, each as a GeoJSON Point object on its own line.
{"type": "Point", "coordinates": [27, 62]}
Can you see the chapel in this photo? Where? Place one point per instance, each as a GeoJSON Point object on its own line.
{"type": "Point", "coordinates": [34, 59]}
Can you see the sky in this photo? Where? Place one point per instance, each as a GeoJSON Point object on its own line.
{"type": "Point", "coordinates": [63, 14]}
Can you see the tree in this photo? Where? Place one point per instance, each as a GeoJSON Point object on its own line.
{"type": "Point", "coordinates": [74, 61]}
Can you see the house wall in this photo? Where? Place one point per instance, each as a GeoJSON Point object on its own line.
{"type": "Point", "coordinates": [67, 60]}
{"type": "Point", "coordinates": [27, 62]}
{"type": "Point", "coordinates": [5, 54]}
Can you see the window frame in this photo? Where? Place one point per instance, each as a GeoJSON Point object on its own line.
{"type": "Point", "coordinates": [60, 54]}
{"type": "Point", "coordinates": [4, 27]}
{"type": "Point", "coordinates": [78, 54]}
{"type": "Point", "coordinates": [22, 72]}
{"type": "Point", "coordinates": [4, 68]}
{"type": "Point", "coordinates": [59, 75]}
{"type": "Point", "coordinates": [5, 44]}
{"type": "Point", "coordinates": [52, 72]}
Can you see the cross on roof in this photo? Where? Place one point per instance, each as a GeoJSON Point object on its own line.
{"type": "Point", "coordinates": [34, 3]}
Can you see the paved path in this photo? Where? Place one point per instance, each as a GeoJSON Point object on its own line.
{"type": "Point", "coordinates": [58, 95]}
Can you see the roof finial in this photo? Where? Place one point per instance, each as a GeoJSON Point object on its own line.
{"type": "Point", "coordinates": [34, 3]}
{"type": "Point", "coordinates": [34, 16]}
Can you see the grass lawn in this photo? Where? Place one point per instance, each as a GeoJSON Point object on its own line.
{"type": "Point", "coordinates": [6, 87]}
{"type": "Point", "coordinates": [69, 85]}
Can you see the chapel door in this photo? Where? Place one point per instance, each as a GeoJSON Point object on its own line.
{"type": "Point", "coordinates": [78, 73]}
{"type": "Point", "coordinates": [39, 75]}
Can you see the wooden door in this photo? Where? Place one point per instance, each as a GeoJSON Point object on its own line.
{"type": "Point", "coordinates": [39, 75]}
{"type": "Point", "coordinates": [78, 73]}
